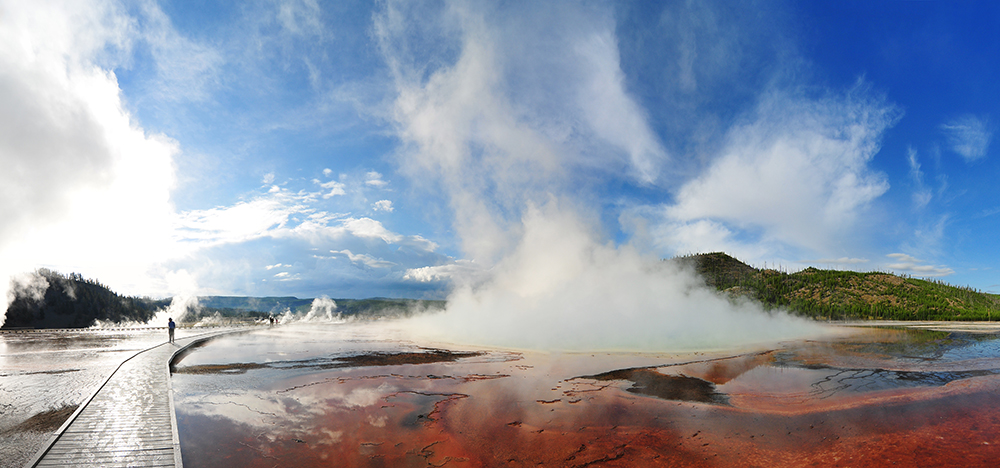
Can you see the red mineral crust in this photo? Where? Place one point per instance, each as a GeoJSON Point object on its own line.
{"type": "Point", "coordinates": [811, 405]}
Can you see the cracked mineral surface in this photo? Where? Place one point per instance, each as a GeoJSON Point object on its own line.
{"type": "Point", "coordinates": [350, 395]}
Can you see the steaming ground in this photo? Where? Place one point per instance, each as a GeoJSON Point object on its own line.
{"type": "Point", "coordinates": [562, 290]}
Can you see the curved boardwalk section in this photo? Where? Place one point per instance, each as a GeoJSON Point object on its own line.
{"type": "Point", "coordinates": [129, 421]}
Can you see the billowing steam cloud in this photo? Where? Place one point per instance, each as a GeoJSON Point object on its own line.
{"type": "Point", "coordinates": [28, 285]}
{"type": "Point", "coordinates": [521, 110]}
{"type": "Point", "coordinates": [80, 182]}
{"type": "Point", "coordinates": [322, 310]}
{"type": "Point", "coordinates": [179, 307]}
{"type": "Point", "coordinates": [562, 289]}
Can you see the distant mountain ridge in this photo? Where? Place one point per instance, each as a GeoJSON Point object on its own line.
{"type": "Point", "coordinates": [263, 306]}
{"type": "Point", "coordinates": [268, 304]}
{"type": "Point", "coordinates": [836, 294]}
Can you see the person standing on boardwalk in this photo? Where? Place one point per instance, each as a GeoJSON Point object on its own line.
{"type": "Point", "coordinates": [170, 327]}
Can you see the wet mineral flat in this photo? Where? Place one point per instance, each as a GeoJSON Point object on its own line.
{"type": "Point", "coordinates": [353, 396]}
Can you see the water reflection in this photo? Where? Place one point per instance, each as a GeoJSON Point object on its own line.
{"type": "Point", "coordinates": [877, 360]}
{"type": "Point", "coordinates": [798, 404]}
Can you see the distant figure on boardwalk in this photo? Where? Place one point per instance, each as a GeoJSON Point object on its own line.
{"type": "Point", "coordinates": [271, 320]}
{"type": "Point", "coordinates": [170, 326]}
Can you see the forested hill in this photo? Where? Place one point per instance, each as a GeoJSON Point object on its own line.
{"type": "Point", "coordinates": [835, 294]}
{"type": "Point", "coordinates": [54, 300]}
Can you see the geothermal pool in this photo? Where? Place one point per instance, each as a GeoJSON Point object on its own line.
{"type": "Point", "coordinates": [361, 395]}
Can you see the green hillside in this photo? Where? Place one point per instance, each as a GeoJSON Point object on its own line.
{"type": "Point", "coordinates": [835, 294]}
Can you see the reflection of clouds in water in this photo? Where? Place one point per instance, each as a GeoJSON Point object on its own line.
{"type": "Point", "coordinates": [377, 421]}
{"type": "Point", "coordinates": [295, 409]}
{"type": "Point", "coordinates": [253, 408]}
{"type": "Point", "coordinates": [329, 437]}
{"type": "Point", "coordinates": [367, 396]}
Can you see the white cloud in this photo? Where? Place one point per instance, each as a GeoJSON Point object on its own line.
{"type": "Point", "coordinates": [327, 172]}
{"type": "Point", "coordinates": [285, 277]}
{"type": "Point", "coordinates": [921, 194]}
{"type": "Point", "coordinates": [367, 227]}
{"type": "Point", "coordinates": [374, 179]}
{"type": "Point", "coordinates": [795, 172]}
{"type": "Point", "coordinates": [611, 112]}
{"type": "Point", "coordinates": [969, 136]}
{"type": "Point", "coordinates": [913, 266]}
{"type": "Point", "coordinates": [460, 271]}
{"type": "Point", "coordinates": [383, 205]}
{"type": "Point", "coordinates": [235, 249]}
{"type": "Point", "coordinates": [365, 259]}
{"type": "Point", "coordinates": [927, 237]}
{"type": "Point", "coordinates": [300, 17]}
{"type": "Point", "coordinates": [334, 188]}
{"type": "Point", "coordinates": [986, 212]}
{"type": "Point", "coordinates": [240, 222]}
{"type": "Point", "coordinates": [185, 69]}
{"type": "Point", "coordinates": [282, 215]}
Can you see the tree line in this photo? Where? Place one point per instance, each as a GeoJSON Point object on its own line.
{"type": "Point", "coordinates": [71, 301]}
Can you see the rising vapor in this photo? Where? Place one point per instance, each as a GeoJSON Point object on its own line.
{"type": "Point", "coordinates": [509, 128]}
{"type": "Point", "coordinates": [82, 183]}
{"type": "Point", "coordinates": [561, 289]}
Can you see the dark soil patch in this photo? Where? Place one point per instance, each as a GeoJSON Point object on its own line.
{"type": "Point", "coordinates": [646, 381]}
{"type": "Point", "coordinates": [46, 421]}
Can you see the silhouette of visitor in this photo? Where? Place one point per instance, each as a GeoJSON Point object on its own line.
{"type": "Point", "coordinates": [170, 326]}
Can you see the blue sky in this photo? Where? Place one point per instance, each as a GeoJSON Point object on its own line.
{"type": "Point", "coordinates": [359, 149]}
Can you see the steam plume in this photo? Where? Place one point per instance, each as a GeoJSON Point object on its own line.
{"type": "Point", "coordinates": [560, 289]}
{"type": "Point", "coordinates": [322, 310]}
{"type": "Point", "coordinates": [73, 157]}
{"type": "Point", "coordinates": [507, 151]}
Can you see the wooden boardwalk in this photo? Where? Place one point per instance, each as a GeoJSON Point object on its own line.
{"type": "Point", "coordinates": [129, 421]}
